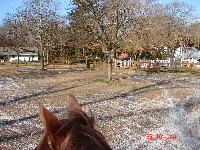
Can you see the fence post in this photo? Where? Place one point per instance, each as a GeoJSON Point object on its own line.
{"type": "Point", "coordinates": [139, 66]}
{"type": "Point", "coordinates": [71, 65]}
{"type": "Point", "coordinates": [53, 64]}
{"type": "Point", "coordinates": [17, 64]}
{"type": "Point", "coordinates": [87, 64]}
{"type": "Point", "coordinates": [100, 63]}
{"type": "Point", "coordinates": [115, 63]}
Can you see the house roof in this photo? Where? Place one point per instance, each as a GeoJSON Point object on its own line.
{"type": "Point", "coordinates": [22, 51]}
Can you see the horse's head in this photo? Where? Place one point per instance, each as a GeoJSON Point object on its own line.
{"type": "Point", "coordinates": [74, 133]}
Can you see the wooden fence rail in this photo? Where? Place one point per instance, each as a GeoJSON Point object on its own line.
{"type": "Point", "coordinates": [55, 64]}
{"type": "Point", "coordinates": [79, 63]}
{"type": "Point", "coordinates": [91, 64]}
{"type": "Point", "coordinates": [20, 63]}
{"type": "Point", "coordinates": [176, 65]}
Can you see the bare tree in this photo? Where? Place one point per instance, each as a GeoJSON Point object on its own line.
{"type": "Point", "coordinates": [38, 20]}
{"type": "Point", "coordinates": [194, 35]}
{"type": "Point", "coordinates": [100, 23]}
{"type": "Point", "coordinates": [154, 26]}
{"type": "Point", "coordinates": [14, 34]}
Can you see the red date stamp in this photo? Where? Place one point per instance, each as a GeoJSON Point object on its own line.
{"type": "Point", "coordinates": [161, 136]}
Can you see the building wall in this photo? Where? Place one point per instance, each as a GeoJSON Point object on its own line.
{"type": "Point", "coordinates": [24, 58]}
{"type": "Point", "coordinates": [188, 52]}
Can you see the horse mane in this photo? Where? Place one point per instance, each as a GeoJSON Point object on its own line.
{"type": "Point", "coordinates": [74, 133]}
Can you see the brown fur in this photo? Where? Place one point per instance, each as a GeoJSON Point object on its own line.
{"type": "Point", "coordinates": [74, 133]}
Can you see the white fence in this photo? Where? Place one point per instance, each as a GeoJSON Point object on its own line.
{"type": "Point", "coordinates": [145, 63]}
{"type": "Point", "coordinates": [135, 64]}
{"type": "Point", "coordinates": [189, 60]}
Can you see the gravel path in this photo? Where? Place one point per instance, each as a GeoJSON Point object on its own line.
{"type": "Point", "coordinates": [136, 111]}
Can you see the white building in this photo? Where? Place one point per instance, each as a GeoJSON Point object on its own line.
{"type": "Point", "coordinates": [23, 53]}
{"type": "Point", "coordinates": [187, 53]}
{"type": "Point", "coordinates": [24, 57]}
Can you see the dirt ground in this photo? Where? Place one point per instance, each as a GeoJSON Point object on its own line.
{"type": "Point", "coordinates": [135, 111]}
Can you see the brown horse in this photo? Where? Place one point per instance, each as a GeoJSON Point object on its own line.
{"type": "Point", "coordinates": [74, 133]}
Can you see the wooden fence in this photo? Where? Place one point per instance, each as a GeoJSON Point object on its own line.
{"type": "Point", "coordinates": [55, 64]}
{"type": "Point", "coordinates": [158, 66]}
{"type": "Point", "coordinates": [20, 63]}
{"type": "Point", "coordinates": [82, 64]}
{"type": "Point", "coordinates": [78, 64]}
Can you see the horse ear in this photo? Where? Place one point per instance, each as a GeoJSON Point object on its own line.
{"type": "Point", "coordinates": [51, 123]}
{"type": "Point", "coordinates": [74, 103]}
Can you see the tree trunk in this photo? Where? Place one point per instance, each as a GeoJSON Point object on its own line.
{"type": "Point", "coordinates": [18, 56]}
{"type": "Point", "coordinates": [47, 56]}
{"type": "Point", "coordinates": [41, 44]}
{"type": "Point", "coordinates": [42, 59]}
{"type": "Point", "coordinates": [109, 66]}
{"type": "Point", "coordinates": [41, 53]}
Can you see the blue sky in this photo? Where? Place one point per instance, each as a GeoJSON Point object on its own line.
{"type": "Point", "coordinates": [7, 6]}
{"type": "Point", "coordinates": [195, 3]}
